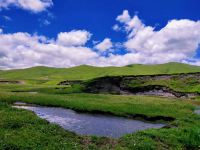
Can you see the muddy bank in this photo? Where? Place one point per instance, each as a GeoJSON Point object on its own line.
{"type": "Point", "coordinates": [70, 82]}
{"type": "Point", "coordinates": [159, 91]}
{"type": "Point", "coordinates": [10, 82]}
{"type": "Point", "coordinates": [28, 92]}
{"type": "Point", "coordinates": [131, 116]}
{"type": "Point", "coordinates": [121, 85]}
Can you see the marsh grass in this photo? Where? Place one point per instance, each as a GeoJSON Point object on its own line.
{"type": "Point", "coordinates": [22, 129]}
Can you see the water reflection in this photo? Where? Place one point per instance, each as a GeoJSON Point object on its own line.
{"type": "Point", "coordinates": [90, 124]}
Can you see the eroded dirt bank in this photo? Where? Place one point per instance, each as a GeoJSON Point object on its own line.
{"type": "Point", "coordinates": [70, 82]}
{"type": "Point", "coordinates": [136, 85]}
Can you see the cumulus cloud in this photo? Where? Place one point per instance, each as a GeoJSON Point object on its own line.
{"type": "Point", "coordinates": [124, 17]}
{"type": "Point", "coordinates": [177, 41]}
{"type": "Point", "coordinates": [20, 50]}
{"type": "Point", "coordinates": [1, 30]}
{"type": "Point", "coordinates": [106, 44]}
{"type": "Point", "coordinates": [73, 38]}
{"type": "Point", "coordinates": [31, 5]}
{"type": "Point", "coordinates": [116, 27]}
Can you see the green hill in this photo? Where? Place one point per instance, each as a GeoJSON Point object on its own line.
{"type": "Point", "coordinates": [85, 72]}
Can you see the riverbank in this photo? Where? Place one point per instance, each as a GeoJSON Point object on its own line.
{"type": "Point", "coordinates": [182, 133]}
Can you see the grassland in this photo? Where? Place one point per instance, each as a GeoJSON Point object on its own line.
{"type": "Point", "coordinates": [183, 133]}
{"type": "Point", "coordinates": [48, 75]}
{"type": "Point", "coordinates": [21, 129]}
{"type": "Point", "coordinates": [186, 84]}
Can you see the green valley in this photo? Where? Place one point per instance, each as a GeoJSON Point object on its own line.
{"type": "Point", "coordinates": [22, 129]}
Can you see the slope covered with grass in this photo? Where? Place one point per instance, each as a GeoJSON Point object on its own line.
{"type": "Point", "coordinates": [85, 72]}
{"type": "Point", "coordinates": [21, 129]}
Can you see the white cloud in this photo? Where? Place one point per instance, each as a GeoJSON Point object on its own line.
{"type": "Point", "coordinates": [73, 38]}
{"type": "Point", "coordinates": [133, 26]}
{"type": "Point", "coordinates": [106, 44]}
{"type": "Point", "coordinates": [31, 5]}
{"type": "Point", "coordinates": [46, 19]}
{"type": "Point", "coordinates": [178, 37]}
{"type": "Point", "coordinates": [116, 27]}
{"type": "Point", "coordinates": [20, 50]}
{"type": "Point", "coordinates": [1, 30]}
{"type": "Point", "coordinates": [124, 17]}
{"type": "Point", "coordinates": [195, 62]}
{"type": "Point", "coordinates": [46, 22]}
{"type": "Point", "coordinates": [177, 41]}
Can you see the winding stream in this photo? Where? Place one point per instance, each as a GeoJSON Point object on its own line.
{"type": "Point", "coordinates": [90, 124]}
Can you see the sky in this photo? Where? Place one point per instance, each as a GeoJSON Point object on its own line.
{"type": "Point", "coordinates": [68, 33]}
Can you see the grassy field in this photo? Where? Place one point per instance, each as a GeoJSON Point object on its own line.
{"type": "Point", "coordinates": [118, 105]}
{"type": "Point", "coordinates": [187, 84]}
{"type": "Point", "coordinates": [183, 133]}
{"type": "Point", "coordinates": [48, 75]}
{"type": "Point", "coordinates": [21, 129]}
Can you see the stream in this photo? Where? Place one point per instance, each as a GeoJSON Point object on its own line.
{"type": "Point", "coordinates": [89, 124]}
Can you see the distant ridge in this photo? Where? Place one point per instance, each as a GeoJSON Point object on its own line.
{"type": "Point", "coordinates": [85, 72]}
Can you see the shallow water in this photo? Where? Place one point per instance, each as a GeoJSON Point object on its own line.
{"type": "Point", "coordinates": [90, 124]}
{"type": "Point", "coordinates": [197, 111]}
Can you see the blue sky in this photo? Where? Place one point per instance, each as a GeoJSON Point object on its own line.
{"type": "Point", "coordinates": [98, 16]}
{"type": "Point", "coordinates": [52, 17]}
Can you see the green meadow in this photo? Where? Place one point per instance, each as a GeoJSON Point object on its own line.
{"type": "Point", "coordinates": [22, 129]}
{"type": "Point", "coordinates": [49, 75]}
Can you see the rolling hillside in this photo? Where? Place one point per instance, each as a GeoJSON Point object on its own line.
{"type": "Point", "coordinates": [85, 72]}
